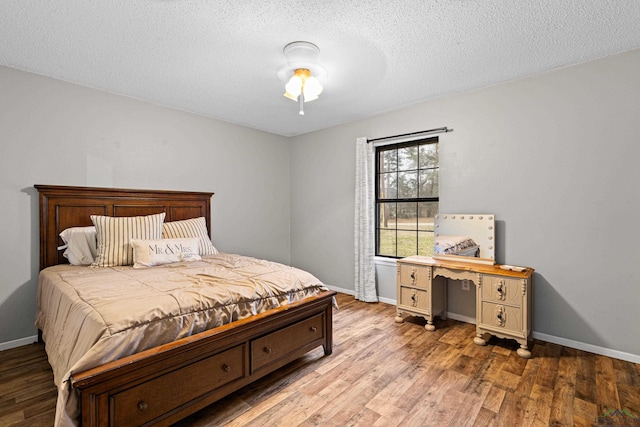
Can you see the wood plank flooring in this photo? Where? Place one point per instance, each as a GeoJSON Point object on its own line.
{"type": "Point", "coordinates": [27, 393]}
{"type": "Point", "coordinates": [386, 374]}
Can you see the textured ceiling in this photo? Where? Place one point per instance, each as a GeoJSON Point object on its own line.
{"type": "Point", "coordinates": [220, 58]}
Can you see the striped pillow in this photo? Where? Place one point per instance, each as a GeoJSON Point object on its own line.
{"type": "Point", "coordinates": [115, 234]}
{"type": "Point", "coordinates": [195, 227]}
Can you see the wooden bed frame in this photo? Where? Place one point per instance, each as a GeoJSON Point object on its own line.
{"type": "Point", "coordinates": [165, 384]}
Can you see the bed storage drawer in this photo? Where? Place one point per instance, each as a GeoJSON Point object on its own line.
{"type": "Point", "coordinates": [149, 400]}
{"type": "Point", "coordinates": [271, 347]}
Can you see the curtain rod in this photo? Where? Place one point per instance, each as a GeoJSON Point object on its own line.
{"type": "Point", "coordinates": [422, 132]}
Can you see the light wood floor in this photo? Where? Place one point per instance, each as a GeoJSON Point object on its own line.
{"type": "Point", "coordinates": [386, 374]}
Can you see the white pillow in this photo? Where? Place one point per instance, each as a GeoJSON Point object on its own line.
{"type": "Point", "coordinates": [147, 253]}
{"type": "Point", "coordinates": [115, 234]}
{"type": "Point", "coordinates": [80, 245]}
{"type": "Point", "coordinates": [195, 227]}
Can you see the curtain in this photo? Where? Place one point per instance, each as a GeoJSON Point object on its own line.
{"type": "Point", "coordinates": [365, 275]}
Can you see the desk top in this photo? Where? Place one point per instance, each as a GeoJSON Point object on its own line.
{"type": "Point", "coordinates": [496, 269]}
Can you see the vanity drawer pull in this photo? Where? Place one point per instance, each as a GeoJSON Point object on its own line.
{"type": "Point", "coordinates": [142, 405]}
{"type": "Point", "coordinates": [267, 350]}
{"type": "Point", "coordinates": [501, 290]}
{"type": "Point", "coordinates": [501, 316]}
{"type": "Point", "coordinates": [226, 367]}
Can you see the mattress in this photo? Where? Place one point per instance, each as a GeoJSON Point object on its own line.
{"type": "Point", "coordinates": [91, 316]}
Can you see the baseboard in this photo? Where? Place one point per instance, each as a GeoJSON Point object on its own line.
{"type": "Point", "coordinates": [341, 290]}
{"type": "Point", "coordinates": [352, 292]}
{"type": "Point", "coordinates": [461, 318]}
{"type": "Point", "coordinates": [18, 343]}
{"type": "Point", "coordinates": [387, 300]}
{"type": "Point", "coordinates": [602, 351]}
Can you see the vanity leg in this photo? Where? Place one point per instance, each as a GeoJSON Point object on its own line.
{"type": "Point", "coordinates": [399, 318]}
{"type": "Point", "coordinates": [479, 340]}
{"type": "Point", "coordinates": [430, 326]}
{"type": "Point", "coordinates": [445, 290]}
{"type": "Point", "coordinates": [524, 352]}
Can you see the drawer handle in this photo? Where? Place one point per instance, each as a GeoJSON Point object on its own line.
{"type": "Point", "coordinates": [414, 302]}
{"type": "Point", "coordinates": [267, 350]}
{"type": "Point", "coordinates": [226, 367]}
{"type": "Point", "coordinates": [413, 277]}
{"type": "Point", "coordinates": [142, 405]}
{"type": "Point", "coordinates": [501, 317]}
{"type": "Point", "coordinates": [313, 329]}
{"type": "Point", "coordinates": [501, 290]}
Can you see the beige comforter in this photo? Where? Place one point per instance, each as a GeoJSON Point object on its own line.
{"type": "Point", "coordinates": [90, 316]}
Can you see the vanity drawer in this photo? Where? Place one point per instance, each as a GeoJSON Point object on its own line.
{"type": "Point", "coordinates": [504, 290]}
{"type": "Point", "coordinates": [272, 347]}
{"type": "Point", "coordinates": [413, 299]}
{"type": "Point", "coordinates": [501, 317]}
{"type": "Point", "coordinates": [151, 399]}
{"type": "Point", "coordinates": [415, 275]}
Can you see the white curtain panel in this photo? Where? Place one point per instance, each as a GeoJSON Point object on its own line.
{"type": "Point", "coordinates": [365, 276]}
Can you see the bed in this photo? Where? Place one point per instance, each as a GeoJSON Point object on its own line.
{"type": "Point", "coordinates": [154, 368]}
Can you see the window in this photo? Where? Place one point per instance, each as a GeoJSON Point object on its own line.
{"type": "Point", "coordinates": [406, 197]}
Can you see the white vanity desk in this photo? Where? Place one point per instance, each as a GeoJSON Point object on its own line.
{"type": "Point", "coordinates": [503, 295]}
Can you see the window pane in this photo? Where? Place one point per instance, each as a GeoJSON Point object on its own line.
{"type": "Point", "coordinates": [387, 215]}
{"type": "Point", "coordinates": [389, 160]}
{"type": "Point", "coordinates": [407, 185]}
{"type": "Point", "coordinates": [429, 183]}
{"type": "Point", "coordinates": [407, 216]}
{"type": "Point", "coordinates": [387, 242]}
{"type": "Point", "coordinates": [428, 156]}
{"type": "Point", "coordinates": [407, 176]}
{"type": "Point", "coordinates": [407, 243]}
{"type": "Point", "coordinates": [426, 213]}
{"type": "Point", "coordinates": [388, 186]}
{"type": "Point", "coordinates": [425, 243]}
{"type": "Point", "coordinates": [408, 158]}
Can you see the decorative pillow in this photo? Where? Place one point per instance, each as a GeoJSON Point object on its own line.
{"type": "Point", "coordinates": [147, 253]}
{"type": "Point", "coordinates": [195, 227]}
{"type": "Point", "coordinates": [115, 234]}
{"type": "Point", "coordinates": [80, 245]}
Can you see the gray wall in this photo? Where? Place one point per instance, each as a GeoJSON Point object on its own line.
{"type": "Point", "coordinates": [554, 157]}
{"type": "Point", "coordinates": [52, 132]}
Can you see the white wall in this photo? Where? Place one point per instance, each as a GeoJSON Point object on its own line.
{"type": "Point", "coordinates": [52, 132]}
{"type": "Point", "coordinates": [554, 157]}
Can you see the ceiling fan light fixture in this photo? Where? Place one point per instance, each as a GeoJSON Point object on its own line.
{"type": "Point", "coordinates": [312, 89]}
{"type": "Point", "coordinates": [293, 88]}
{"type": "Point", "coordinates": [301, 73]}
{"type": "Point", "coordinates": [302, 83]}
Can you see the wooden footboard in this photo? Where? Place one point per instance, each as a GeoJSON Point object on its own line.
{"type": "Point", "coordinates": [165, 384]}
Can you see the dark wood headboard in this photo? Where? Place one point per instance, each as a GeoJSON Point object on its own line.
{"type": "Point", "coordinates": [62, 207]}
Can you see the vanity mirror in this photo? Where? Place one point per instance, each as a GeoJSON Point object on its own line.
{"type": "Point", "coordinates": [465, 237]}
